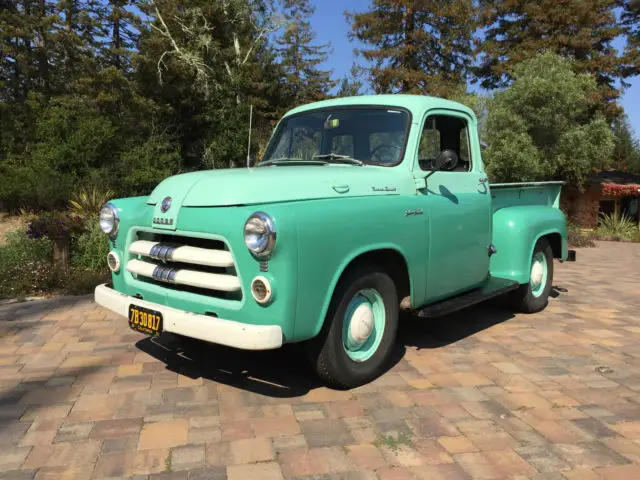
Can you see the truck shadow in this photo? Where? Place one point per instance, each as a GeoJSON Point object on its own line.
{"type": "Point", "coordinates": [446, 330]}
{"type": "Point", "coordinates": [285, 373]}
{"type": "Point", "coordinates": [282, 373]}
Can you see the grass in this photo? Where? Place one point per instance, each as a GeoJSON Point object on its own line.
{"type": "Point", "coordinates": [394, 442]}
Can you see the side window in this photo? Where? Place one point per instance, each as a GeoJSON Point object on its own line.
{"type": "Point", "coordinates": [342, 145]}
{"type": "Point", "coordinates": [429, 144]}
{"type": "Point", "coordinates": [465, 148]}
{"type": "Point", "coordinates": [444, 132]}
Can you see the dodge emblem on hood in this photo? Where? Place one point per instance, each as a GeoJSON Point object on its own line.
{"type": "Point", "coordinates": [166, 204]}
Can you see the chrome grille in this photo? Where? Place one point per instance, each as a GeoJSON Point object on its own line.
{"type": "Point", "coordinates": [197, 265]}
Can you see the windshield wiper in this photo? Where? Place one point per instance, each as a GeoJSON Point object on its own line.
{"type": "Point", "coordinates": [291, 161]}
{"type": "Point", "coordinates": [340, 159]}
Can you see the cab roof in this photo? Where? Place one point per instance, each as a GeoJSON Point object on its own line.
{"type": "Point", "coordinates": [413, 103]}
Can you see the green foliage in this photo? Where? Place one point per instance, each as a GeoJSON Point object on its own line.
{"type": "Point", "coordinates": [616, 229]}
{"type": "Point", "coordinates": [79, 281]}
{"type": "Point", "coordinates": [25, 265]}
{"type": "Point", "coordinates": [353, 83]}
{"type": "Point", "coordinates": [584, 30]}
{"type": "Point", "coordinates": [54, 225]}
{"type": "Point", "coordinates": [544, 126]}
{"type": "Point", "coordinates": [145, 165]}
{"type": "Point", "coordinates": [416, 47]}
{"type": "Point", "coordinates": [304, 81]}
{"type": "Point", "coordinates": [577, 238]}
{"type": "Point", "coordinates": [90, 249]}
{"type": "Point", "coordinates": [87, 202]}
{"type": "Point", "coordinates": [626, 156]}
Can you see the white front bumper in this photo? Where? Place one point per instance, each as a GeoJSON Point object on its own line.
{"type": "Point", "coordinates": [202, 327]}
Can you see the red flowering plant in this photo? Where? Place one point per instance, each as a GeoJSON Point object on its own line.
{"type": "Point", "coordinates": [617, 190]}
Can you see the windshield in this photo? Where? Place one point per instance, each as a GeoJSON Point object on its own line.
{"type": "Point", "coordinates": [354, 136]}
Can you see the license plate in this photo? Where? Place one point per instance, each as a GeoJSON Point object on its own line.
{"type": "Point", "coordinates": [145, 320]}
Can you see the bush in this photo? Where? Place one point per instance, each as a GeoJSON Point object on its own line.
{"type": "Point", "coordinates": [90, 249]}
{"type": "Point", "coordinates": [79, 281]}
{"type": "Point", "coordinates": [54, 225]}
{"type": "Point", "coordinates": [25, 265]}
{"type": "Point", "coordinates": [86, 203]}
{"type": "Point", "coordinates": [578, 238]}
{"type": "Point", "coordinates": [621, 229]}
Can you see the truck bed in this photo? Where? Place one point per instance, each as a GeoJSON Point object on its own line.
{"type": "Point", "coordinates": [526, 193]}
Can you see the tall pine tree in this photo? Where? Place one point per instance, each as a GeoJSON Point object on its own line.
{"type": "Point", "coordinates": [631, 22]}
{"type": "Point", "coordinates": [417, 47]}
{"type": "Point", "coordinates": [300, 58]}
{"type": "Point", "coordinates": [582, 29]}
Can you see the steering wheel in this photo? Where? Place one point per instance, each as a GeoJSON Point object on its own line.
{"type": "Point", "coordinates": [384, 145]}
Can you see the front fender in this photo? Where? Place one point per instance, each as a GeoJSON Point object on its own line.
{"type": "Point", "coordinates": [343, 230]}
{"type": "Point", "coordinates": [515, 233]}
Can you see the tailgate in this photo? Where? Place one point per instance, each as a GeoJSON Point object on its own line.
{"type": "Point", "coordinates": [532, 193]}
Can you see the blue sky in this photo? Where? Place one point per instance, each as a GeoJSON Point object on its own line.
{"type": "Point", "coordinates": [330, 25]}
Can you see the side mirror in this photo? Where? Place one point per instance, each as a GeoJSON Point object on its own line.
{"type": "Point", "coordinates": [446, 160]}
{"type": "Point", "coordinates": [483, 145]}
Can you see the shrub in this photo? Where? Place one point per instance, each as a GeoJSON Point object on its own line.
{"type": "Point", "coordinates": [89, 250]}
{"type": "Point", "coordinates": [616, 229]}
{"type": "Point", "coordinates": [86, 203]}
{"type": "Point", "coordinates": [54, 225]}
{"type": "Point", "coordinates": [578, 238]}
{"type": "Point", "coordinates": [79, 281]}
{"type": "Point", "coordinates": [25, 265]}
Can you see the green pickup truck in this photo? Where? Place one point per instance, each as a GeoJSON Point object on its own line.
{"type": "Point", "coordinates": [359, 207]}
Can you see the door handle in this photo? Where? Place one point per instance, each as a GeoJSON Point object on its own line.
{"type": "Point", "coordinates": [482, 180]}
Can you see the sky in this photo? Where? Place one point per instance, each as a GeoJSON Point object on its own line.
{"type": "Point", "coordinates": [330, 25]}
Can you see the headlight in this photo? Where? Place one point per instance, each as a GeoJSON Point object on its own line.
{"type": "Point", "coordinates": [260, 234]}
{"type": "Point", "coordinates": [109, 220]}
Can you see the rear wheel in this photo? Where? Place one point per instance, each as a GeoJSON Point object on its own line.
{"type": "Point", "coordinates": [359, 332]}
{"type": "Point", "coordinates": [533, 296]}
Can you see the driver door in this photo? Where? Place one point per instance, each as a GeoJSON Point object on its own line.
{"type": "Point", "coordinates": [458, 205]}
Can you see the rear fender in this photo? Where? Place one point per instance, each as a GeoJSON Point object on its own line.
{"type": "Point", "coordinates": [515, 233]}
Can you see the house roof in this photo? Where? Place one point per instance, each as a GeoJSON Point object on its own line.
{"type": "Point", "coordinates": [615, 177]}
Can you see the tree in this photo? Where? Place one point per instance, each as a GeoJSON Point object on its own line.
{"type": "Point", "coordinates": [352, 83]}
{"type": "Point", "coordinates": [124, 25]}
{"type": "Point", "coordinates": [207, 62]}
{"type": "Point", "coordinates": [300, 58]}
{"type": "Point", "coordinates": [631, 22]}
{"type": "Point", "coordinates": [626, 155]}
{"type": "Point", "coordinates": [544, 127]}
{"type": "Point", "coordinates": [583, 30]}
{"type": "Point", "coordinates": [416, 47]}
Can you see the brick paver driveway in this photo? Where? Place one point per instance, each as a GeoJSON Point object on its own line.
{"type": "Point", "coordinates": [480, 394]}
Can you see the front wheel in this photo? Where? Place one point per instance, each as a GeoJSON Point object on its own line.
{"type": "Point", "coordinates": [533, 296]}
{"type": "Point", "coordinates": [359, 332]}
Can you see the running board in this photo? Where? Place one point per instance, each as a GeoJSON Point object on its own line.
{"type": "Point", "coordinates": [494, 287]}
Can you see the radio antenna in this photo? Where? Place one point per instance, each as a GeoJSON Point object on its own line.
{"type": "Point", "coordinates": [249, 144]}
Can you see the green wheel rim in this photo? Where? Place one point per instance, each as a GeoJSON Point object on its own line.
{"type": "Point", "coordinates": [363, 325]}
{"type": "Point", "coordinates": [538, 276]}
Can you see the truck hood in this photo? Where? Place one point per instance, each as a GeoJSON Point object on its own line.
{"type": "Point", "coordinates": [229, 187]}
